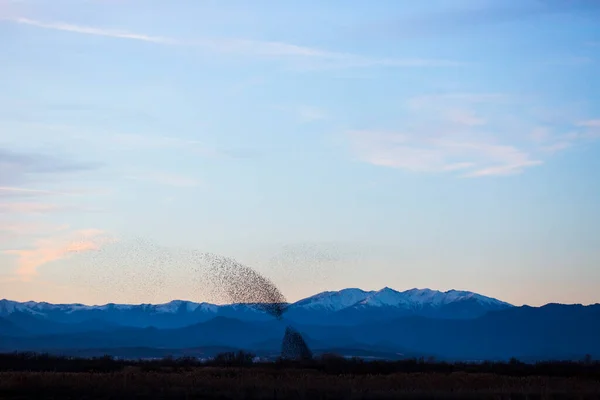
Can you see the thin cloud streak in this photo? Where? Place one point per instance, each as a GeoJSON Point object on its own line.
{"type": "Point", "coordinates": [19, 170]}
{"type": "Point", "coordinates": [592, 123]}
{"type": "Point", "coordinates": [93, 31]}
{"type": "Point", "coordinates": [425, 101]}
{"type": "Point", "coordinates": [162, 178]}
{"type": "Point", "coordinates": [471, 151]}
{"type": "Point", "coordinates": [136, 141]}
{"type": "Point", "coordinates": [31, 229]}
{"type": "Point", "coordinates": [466, 118]}
{"type": "Point", "coordinates": [31, 191]}
{"type": "Point", "coordinates": [53, 249]}
{"type": "Point", "coordinates": [41, 208]}
{"type": "Point", "coordinates": [590, 129]}
{"type": "Point", "coordinates": [249, 47]}
{"type": "Point", "coordinates": [11, 231]}
{"type": "Point", "coordinates": [28, 208]}
{"type": "Point", "coordinates": [406, 151]}
{"type": "Point", "coordinates": [451, 133]}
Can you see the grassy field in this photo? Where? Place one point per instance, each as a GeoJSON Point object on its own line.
{"type": "Point", "coordinates": [332, 379]}
{"type": "Point", "coordinates": [255, 383]}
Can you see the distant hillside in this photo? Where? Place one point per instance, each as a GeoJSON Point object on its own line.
{"type": "Point", "coordinates": [534, 333]}
{"type": "Point", "coordinates": [344, 307]}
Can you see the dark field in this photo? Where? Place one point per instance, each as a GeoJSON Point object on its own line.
{"type": "Point", "coordinates": [319, 379]}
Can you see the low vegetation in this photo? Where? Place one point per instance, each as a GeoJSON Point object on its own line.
{"type": "Point", "coordinates": [239, 376]}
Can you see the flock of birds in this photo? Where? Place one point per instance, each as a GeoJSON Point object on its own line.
{"type": "Point", "coordinates": [242, 284]}
{"type": "Point", "coordinates": [227, 279]}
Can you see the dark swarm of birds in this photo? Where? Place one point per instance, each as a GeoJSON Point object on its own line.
{"type": "Point", "coordinates": [294, 347]}
{"type": "Point", "coordinates": [227, 278]}
{"type": "Point", "coordinates": [244, 285]}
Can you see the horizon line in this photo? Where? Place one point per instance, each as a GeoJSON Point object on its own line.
{"type": "Point", "coordinates": [290, 303]}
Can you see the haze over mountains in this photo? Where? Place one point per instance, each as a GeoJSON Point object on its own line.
{"type": "Point", "coordinates": [384, 323]}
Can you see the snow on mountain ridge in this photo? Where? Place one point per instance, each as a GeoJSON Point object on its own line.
{"type": "Point", "coordinates": [333, 300]}
{"type": "Point", "coordinates": [415, 298]}
{"type": "Point", "coordinates": [188, 306]}
{"type": "Point", "coordinates": [9, 307]}
{"type": "Point", "coordinates": [330, 301]}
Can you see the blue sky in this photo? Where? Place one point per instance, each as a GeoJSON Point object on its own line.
{"type": "Point", "coordinates": [442, 144]}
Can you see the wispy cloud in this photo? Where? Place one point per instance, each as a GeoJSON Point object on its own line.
{"type": "Point", "coordinates": [304, 113]}
{"type": "Point", "coordinates": [135, 142]}
{"type": "Point", "coordinates": [28, 208]}
{"type": "Point", "coordinates": [310, 114]}
{"type": "Point", "coordinates": [166, 179]}
{"type": "Point", "coordinates": [466, 98]}
{"type": "Point", "coordinates": [26, 191]}
{"type": "Point", "coordinates": [465, 134]}
{"type": "Point", "coordinates": [465, 117]}
{"type": "Point", "coordinates": [16, 208]}
{"type": "Point", "coordinates": [19, 171]}
{"type": "Point", "coordinates": [18, 168]}
{"type": "Point", "coordinates": [592, 123]}
{"type": "Point", "coordinates": [556, 147]}
{"type": "Point", "coordinates": [60, 26]}
{"type": "Point", "coordinates": [410, 152]}
{"type": "Point", "coordinates": [52, 249]}
{"type": "Point", "coordinates": [20, 230]}
{"type": "Point", "coordinates": [589, 129]}
{"type": "Point", "coordinates": [318, 58]}
{"type": "Point", "coordinates": [470, 134]}
{"type": "Point", "coordinates": [540, 134]}
{"type": "Point", "coordinates": [31, 228]}
{"type": "Point", "coordinates": [548, 142]}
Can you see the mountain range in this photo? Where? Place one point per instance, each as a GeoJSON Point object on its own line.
{"type": "Point", "coordinates": [345, 307]}
{"type": "Point", "coordinates": [453, 325]}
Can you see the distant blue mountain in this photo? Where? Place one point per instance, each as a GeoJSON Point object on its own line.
{"type": "Point", "coordinates": [344, 307]}
{"type": "Point", "coordinates": [549, 332]}
{"type": "Point", "coordinates": [386, 323]}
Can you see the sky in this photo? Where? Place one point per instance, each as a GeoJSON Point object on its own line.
{"type": "Point", "coordinates": [439, 144]}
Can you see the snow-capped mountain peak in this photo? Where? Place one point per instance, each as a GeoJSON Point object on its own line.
{"type": "Point", "coordinates": [9, 307]}
{"type": "Point", "coordinates": [383, 297]}
{"type": "Point", "coordinates": [350, 305]}
{"type": "Point", "coordinates": [415, 298]}
{"type": "Point", "coordinates": [184, 306]}
{"type": "Point", "coordinates": [174, 306]}
{"type": "Point", "coordinates": [333, 300]}
{"type": "Point", "coordinates": [387, 297]}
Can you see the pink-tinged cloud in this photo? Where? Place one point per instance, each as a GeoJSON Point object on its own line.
{"type": "Point", "coordinates": [439, 154]}
{"type": "Point", "coordinates": [451, 99]}
{"type": "Point", "coordinates": [14, 191]}
{"type": "Point", "coordinates": [540, 134]}
{"type": "Point", "coordinates": [590, 129]}
{"type": "Point", "coordinates": [9, 189]}
{"type": "Point", "coordinates": [591, 123]}
{"type": "Point", "coordinates": [30, 229]}
{"type": "Point", "coordinates": [162, 178]}
{"type": "Point", "coordinates": [27, 208]}
{"type": "Point", "coordinates": [556, 147]}
{"type": "Point", "coordinates": [28, 191]}
{"type": "Point", "coordinates": [57, 248]}
{"type": "Point", "coordinates": [465, 118]}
